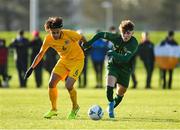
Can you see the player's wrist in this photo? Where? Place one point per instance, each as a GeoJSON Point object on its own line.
{"type": "Point", "coordinates": [31, 67]}
{"type": "Point", "coordinates": [86, 46]}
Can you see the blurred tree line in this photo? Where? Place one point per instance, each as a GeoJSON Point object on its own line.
{"type": "Point", "coordinates": [89, 14]}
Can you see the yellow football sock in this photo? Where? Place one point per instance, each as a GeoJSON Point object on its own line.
{"type": "Point", "coordinates": [53, 93]}
{"type": "Point", "coordinates": [73, 96]}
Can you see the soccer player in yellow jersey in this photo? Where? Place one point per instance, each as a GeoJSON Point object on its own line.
{"type": "Point", "coordinates": [68, 67]}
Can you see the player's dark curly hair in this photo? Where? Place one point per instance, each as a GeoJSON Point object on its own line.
{"type": "Point", "coordinates": [53, 23]}
{"type": "Point", "coordinates": [126, 25]}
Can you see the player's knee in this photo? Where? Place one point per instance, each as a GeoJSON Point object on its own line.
{"type": "Point", "coordinates": [69, 86]}
{"type": "Point", "coordinates": [51, 84]}
{"type": "Point", "coordinates": [121, 91]}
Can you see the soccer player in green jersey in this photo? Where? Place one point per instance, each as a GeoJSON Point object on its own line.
{"type": "Point", "coordinates": [119, 63]}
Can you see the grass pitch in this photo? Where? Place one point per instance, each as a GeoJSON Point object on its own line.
{"type": "Point", "coordinates": [140, 109]}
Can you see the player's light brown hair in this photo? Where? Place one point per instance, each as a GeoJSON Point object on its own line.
{"type": "Point", "coordinates": [53, 23]}
{"type": "Point", "coordinates": [126, 25]}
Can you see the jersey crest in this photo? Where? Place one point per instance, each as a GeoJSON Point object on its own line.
{"type": "Point", "coordinates": [66, 42]}
{"type": "Point", "coordinates": [125, 50]}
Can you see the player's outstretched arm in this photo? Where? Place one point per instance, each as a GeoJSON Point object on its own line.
{"type": "Point", "coordinates": [34, 64]}
{"type": "Point", "coordinates": [87, 45]}
{"type": "Point", "coordinates": [28, 73]}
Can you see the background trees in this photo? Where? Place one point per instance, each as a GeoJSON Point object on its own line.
{"type": "Point", "coordinates": [89, 14]}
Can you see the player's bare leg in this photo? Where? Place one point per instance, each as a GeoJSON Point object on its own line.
{"type": "Point", "coordinates": [73, 95]}
{"type": "Point", "coordinates": [53, 93]}
{"type": "Point", "coordinates": [120, 91]}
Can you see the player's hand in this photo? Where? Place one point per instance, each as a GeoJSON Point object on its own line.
{"type": "Point", "coordinates": [28, 73]}
{"type": "Point", "coordinates": [86, 46]}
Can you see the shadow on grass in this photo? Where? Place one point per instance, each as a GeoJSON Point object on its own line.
{"type": "Point", "coordinates": [149, 119]}
{"type": "Point", "coordinates": [137, 119]}
{"type": "Point", "coordinates": [81, 118]}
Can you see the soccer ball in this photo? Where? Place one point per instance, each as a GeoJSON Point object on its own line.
{"type": "Point", "coordinates": [95, 112]}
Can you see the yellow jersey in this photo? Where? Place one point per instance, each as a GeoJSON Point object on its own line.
{"type": "Point", "coordinates": [67, 46]}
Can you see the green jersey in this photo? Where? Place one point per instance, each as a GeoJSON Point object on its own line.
{"type": "Point", "coordinates": [121, 57]}
{"type": "Point", "coordinates": [125, 51]}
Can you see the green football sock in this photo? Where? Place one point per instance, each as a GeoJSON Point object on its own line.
{"type": "Point", "coordinates": [109, 93]}
{"type": "Point", "coordinates": [117, 100]}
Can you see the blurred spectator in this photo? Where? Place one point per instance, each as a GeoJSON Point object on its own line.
{"type": "Point", "coordinates": [169, 40]}
{"type": "Point", "coordinates": [50, 60]}
{"type": "Point", "coordinates": [82, 81]}
{"type": "Point", "coordinates": [97, 53]}
{"type": "Point", "coordinates": [35, 45]}
{"type": "Point", "coordinates": [133, 76]}
{"type": "Point", "coordinates": [146, 53]}
{"type": "Point", "coordinates": [83, 77]}
{"type": "Point", "coordinates": [3, 64]}
{"type": "Point", "coordinates": [112, 29]}
{"type": "Point", "coordinates": [20, 44]}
